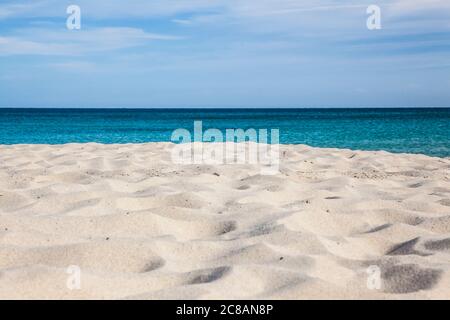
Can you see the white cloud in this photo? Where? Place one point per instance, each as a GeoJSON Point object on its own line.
{"type": "Point", "coordinates": [182, 21]}
{"type": "Point", "coordinates": [106, 8]}
{"type": "Point", "coordinates": [22, 8]}
{"type": "Point", "coordinates": [75, 66]}
{"type": "Point", "coordinates": [13, 46]}
{"type": "Point", "coordinates": [145, 8]}
{"type": "Point", "coordinates": [298, 19]}
{"type": "Point", "coordinates": [281, 14]}
{"type": "Point", "coordinates": [403, 7]}
{"type": "Point", "coordinates": [65, 42]}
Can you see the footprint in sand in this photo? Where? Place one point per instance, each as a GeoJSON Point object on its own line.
{"type": "Point", "coordinates": [407, 278]}
{"type": "Point", "coordinates": [438, 245]}
{"type": "Point", "coordinates": [207, 275]}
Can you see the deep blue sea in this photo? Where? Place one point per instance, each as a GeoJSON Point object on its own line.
{"type": "Point", "coordinates": [424, 131]}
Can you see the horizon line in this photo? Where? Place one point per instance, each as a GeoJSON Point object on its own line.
{"type": "Point", "coordinates": [225, 108]}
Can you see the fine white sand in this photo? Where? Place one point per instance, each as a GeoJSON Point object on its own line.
{"type": "Point", "coordinates": [140, 227]}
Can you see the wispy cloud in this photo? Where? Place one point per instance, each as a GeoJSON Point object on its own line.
{"type": "Point", "coordinates": [156, 8]}
{"type": "Point", "coordinates": [62, 42]}
{"type": "Point", "coordinates": [403, 7]}
{"type": "Point", "coordinates": [17, 8]}
{"type": "Point", "coordinates": [74, 66]}
{"type": "Point", "coordinates": [110, 9]}
{"type": "Point", "coordinates": [15, 46]}
{"type": "Point", "coordinates": [280, 52]}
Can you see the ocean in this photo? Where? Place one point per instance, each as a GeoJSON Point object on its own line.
{"type": "Point", "coordinates": [425, 131]}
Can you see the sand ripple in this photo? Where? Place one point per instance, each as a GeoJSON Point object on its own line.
{"type": "Point", "coordinates": [140, 227]}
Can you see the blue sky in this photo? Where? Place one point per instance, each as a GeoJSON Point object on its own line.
{"type": "Point", "coordinates": [224, 53]}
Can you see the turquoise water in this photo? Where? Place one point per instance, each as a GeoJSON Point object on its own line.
{"type": "Point", "coordinates": [424, 131]}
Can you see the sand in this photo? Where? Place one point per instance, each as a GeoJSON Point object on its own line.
{"type": "Point", "coordinates": [139, 226]}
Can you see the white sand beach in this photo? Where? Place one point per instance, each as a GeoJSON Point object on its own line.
{"type": "Point", "coordinates": [139, 226]}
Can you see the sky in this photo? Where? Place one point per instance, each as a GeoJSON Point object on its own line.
{"type": "Point", "coordinates": [224, 53]}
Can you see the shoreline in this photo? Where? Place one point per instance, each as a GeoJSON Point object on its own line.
{"type": "Point", "coordinates": [282, 145]}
